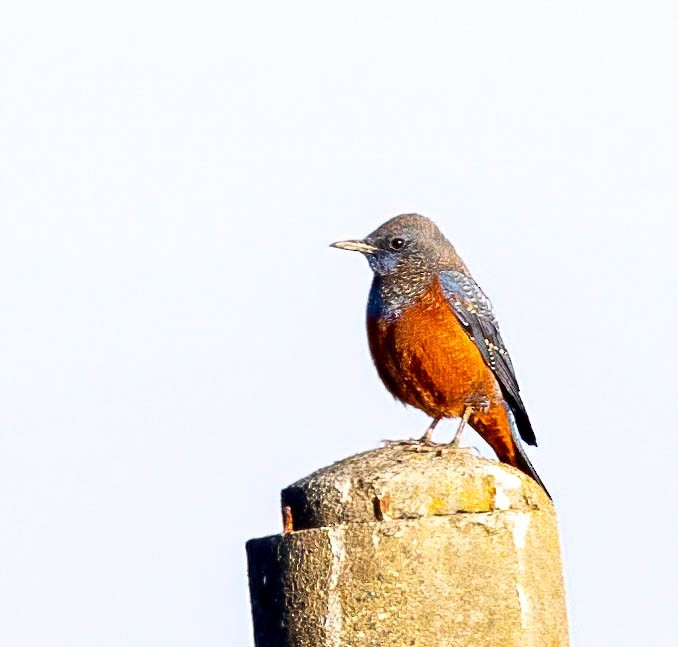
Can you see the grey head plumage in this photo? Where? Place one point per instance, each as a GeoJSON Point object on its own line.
{"type": "Point", "coordinates": [409, 243]}
{"type": "Point", "coordinates": [405, 253]}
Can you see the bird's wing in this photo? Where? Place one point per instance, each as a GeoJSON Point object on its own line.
{"type": "Point", "coordinates": [474, 311]}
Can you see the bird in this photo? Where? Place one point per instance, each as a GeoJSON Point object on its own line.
{"type": "Point", "coordinates": [435, 340]}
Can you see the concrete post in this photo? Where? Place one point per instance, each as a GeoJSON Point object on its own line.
{"type": "Point", "coordinates": [396, 547]}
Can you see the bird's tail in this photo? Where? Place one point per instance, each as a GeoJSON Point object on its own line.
{"type": "Point", "coordinates": [505, 441]}
{"type": "Point", "coordinates": [522, 462]}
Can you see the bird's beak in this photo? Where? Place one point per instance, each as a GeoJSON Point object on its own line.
{"type": "Point", "coordinates": [356, 246]}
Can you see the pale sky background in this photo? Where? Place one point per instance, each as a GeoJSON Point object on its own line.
{"type": "Point", "coordinates": [178, 342]}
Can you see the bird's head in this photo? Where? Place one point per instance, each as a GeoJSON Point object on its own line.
{"type": "Point", "coordinates": [406, 245]}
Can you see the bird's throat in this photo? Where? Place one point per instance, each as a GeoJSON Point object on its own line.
{"type": "Point", "coordinates": [391, 294]}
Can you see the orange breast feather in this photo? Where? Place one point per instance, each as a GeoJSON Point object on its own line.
{"type": "Point", "coordinates": [426, 359]}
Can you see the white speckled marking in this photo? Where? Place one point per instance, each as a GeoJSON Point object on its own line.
{"type": "Point", "coordinates": [344, 488]}
{"type": "Point", "coordinates": [521, 522]}
{"type": "Point", "coordinates": [333, 619]}
{"type": "Point", "coordinates": [503, 481]}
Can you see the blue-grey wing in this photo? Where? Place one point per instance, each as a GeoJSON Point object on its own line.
{"type": "Point", "coordinates": [474, 311]}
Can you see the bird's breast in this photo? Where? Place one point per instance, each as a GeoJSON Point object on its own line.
{"type": "Point", "coordinates": [424, 356]}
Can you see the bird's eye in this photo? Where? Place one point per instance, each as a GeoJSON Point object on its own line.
{"type": "Point", "coordinates": [397, 243]}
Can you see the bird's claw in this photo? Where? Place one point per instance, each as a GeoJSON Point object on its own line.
{"type": "Point", "coordinates": [416, 444]}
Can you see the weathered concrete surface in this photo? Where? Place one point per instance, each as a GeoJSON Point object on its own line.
{"type": "Point", "coordinates": [398, 547]}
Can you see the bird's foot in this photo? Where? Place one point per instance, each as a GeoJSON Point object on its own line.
{"type": "Point", "coordinates": [469, 449]}
{"type": "Point", "coordinates": [418, 444]}
{"type": "Point", "coordinates": [415, 444]}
